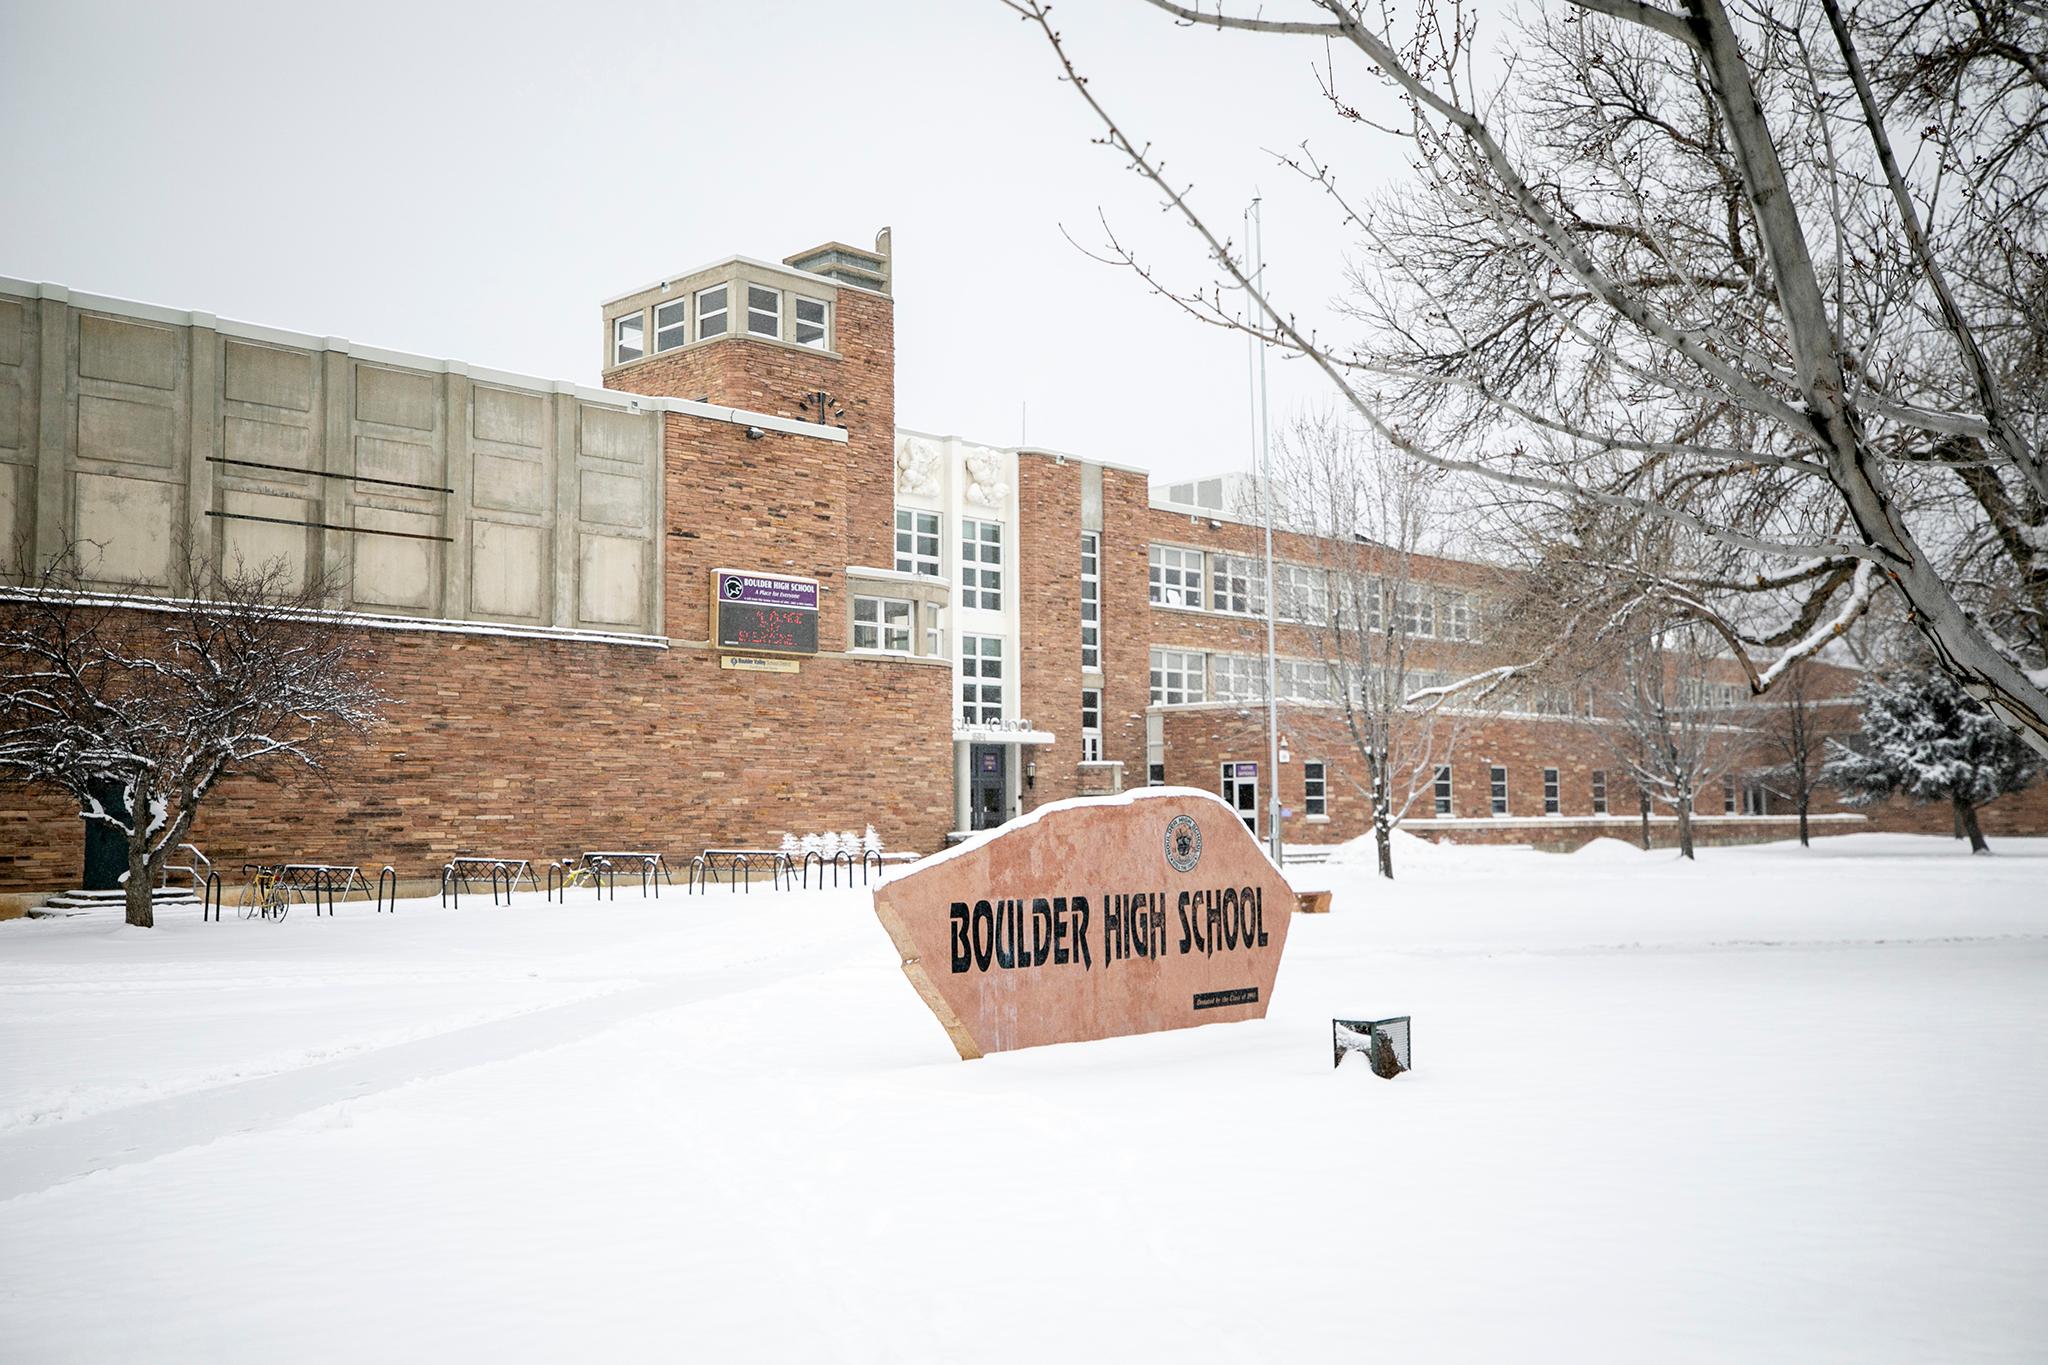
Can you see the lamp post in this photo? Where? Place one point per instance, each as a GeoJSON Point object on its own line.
{"type": "Point", "coordinates": [1254, 237]}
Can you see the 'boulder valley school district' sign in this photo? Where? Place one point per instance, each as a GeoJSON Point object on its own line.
{"type": "Point", "coordinates": [764, 613]}
{"type": "Point", "coordinates": [1153, 909]}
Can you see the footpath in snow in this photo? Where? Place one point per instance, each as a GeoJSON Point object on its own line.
{"type": "Point", "coordinates": [1778, 1105]}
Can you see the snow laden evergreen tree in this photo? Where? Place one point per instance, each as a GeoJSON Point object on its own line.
{"type": "Point", "coordinates": [136, 705]}
{"type": "Point", "coordinates": [1923, 738]}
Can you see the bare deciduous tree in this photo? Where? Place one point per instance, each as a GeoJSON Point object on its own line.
{"type": "Point", "coordinates": [1365, 608]}
{"type": "Point", "coordinates": [1669, 720]}
{"type": "Point", "coordinates": [1673, 262]}
{"type": "Point", "coordinates": [160, 697]}
{"type": "Point", "coordinates": [1792, 730]}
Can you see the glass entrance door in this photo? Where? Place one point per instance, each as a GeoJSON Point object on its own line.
{"type": "Point", "coordinates": [987, 786]}
{"type": "Point", "coordinates": [1241, 792]}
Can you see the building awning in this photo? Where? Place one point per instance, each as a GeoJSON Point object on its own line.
{"type": "Point", "coordinates": [981, 734]}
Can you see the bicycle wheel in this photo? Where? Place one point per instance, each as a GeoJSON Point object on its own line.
{"type": "Point", "coordinates": [280, 902]}
{"type": "Point", "coordinates": [251, 900]}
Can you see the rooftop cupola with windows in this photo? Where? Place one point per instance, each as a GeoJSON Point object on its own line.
{"type": "Point", "coordinates": [723, 331]}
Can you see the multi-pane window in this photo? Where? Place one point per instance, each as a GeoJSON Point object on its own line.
{"type": "Point", "coordinates": [917, 542]}
{"type": "Point", "coordinates": [1727, 796]}
{"type": "Point", "coordinates": [981, 564]}
{"type": "Point", "coordinates": [1091, 725]}
{"type": "Point", "coordinates": [629, 338]}
{"type": "Point", "coordinates": [1443, 789]}
{"type": "Point", "coordinates": [1176, 576]}
{"type": "Point", "coordinates": [711, 312]}
{"type": "Point", "coordinates": [1455, 616]}
{"type": "Point", "coordinates": [1091, 600]}
{"type": "Point", "coordinates": [882, 623]}
{"type": "Point", "coordinates": [1418, 613]}
{"type": "Point", "coordinates": [1302, 680]}
{"type": "Point", "coordinates": [1375, 605]}
{"type": "Point", "coordinates": [1551, 805]}
{"type": "Point", "coordinates": [671, 324]}
{"type": "Point", "coordinates": [981, 679]}
{"type": "Point", "coordinates": [1155, 774]}
{"type": "Point", "coordinates": [1315, 802]}
{"type": "Point", "coordinates": [1302, 594]}
{"type": "Point", "coordinates": [1497, 779]}
{"type": "Point", "coordinates": [810, 322]}
{"type": "Point", "coordinates": [764, 311]}
{"type": "Point", "coordinates": [1236, 677]}
{"type": "Point", "coordinates": [1237, 584]}
{"type": "Point", "coordinates": [1599, 791]}
{"type": "Point", "coordinates": [1177, 677]}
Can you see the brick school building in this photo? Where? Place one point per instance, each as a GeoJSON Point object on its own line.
{"type": "Point", "coordinates": [727, 596]}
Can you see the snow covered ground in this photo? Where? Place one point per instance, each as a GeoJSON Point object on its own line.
{"type": "Point", "coordinates": [1781, 1105]}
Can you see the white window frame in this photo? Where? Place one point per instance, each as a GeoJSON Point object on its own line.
{"type": "Point", "coordinates": [1301, 585]}
{"type": "Point", "coordinates": [1315, 789]}
{"type": "Point", "coordinates": [1417, 613]}
{"type": "Point", "coordinates": [638, 322]}
{"type": "Point", "coordinates": [981, 564]}
{"type": "Point", "coordinates": [1236, 677]}
{"type": "Point", "coordinates": [1091, 734]}
{"type": "Point", "coordinates": [680, 326]}
{"type": "Point", "coordinates": [1441, 790]}
{"type": "Point", "coordinates": [752, 311]}
{"type": "Point", "coordinates": [1091, 600]}
{"type": "Point", "coordinates": [1729, 799]}
{"type": "Point", "coordinates": [722, 314]}
{"type": "Point", "coordinates": [911, 557]}
{"type": "Point", "coordinates": [981, 679]}
{"type": "Point", "coordinates": [1179, 677]}
{"type": "Point", "coordinates": [878, 630]}
{"type": "Point", "coordinates": [1455, 613]}
{"type": "Point", "coordinates": [1553, 792]}
{"type": "Point", "coordinates": [1237, 585]}
{"type": "Point", "coordinates": [821, 342]}
{"type": "Point", "coordinates": [1176, 577]}
{"type": "Point", "coordinates": [1599, 791]}
{"type": "Point", "coordinates": [1497, 788]}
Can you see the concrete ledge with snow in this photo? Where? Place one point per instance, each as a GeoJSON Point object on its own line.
{"type": "Point", "coordinates": [1779, 1105]}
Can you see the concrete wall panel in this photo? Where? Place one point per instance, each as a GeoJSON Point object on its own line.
{"type": "Point", "coordinates": [13, 330]}
{"type": "Point", "coordinates": [509, 418]}
{"type": "Point", "coordinates": [269, 375]}
{"type": "Point", "coordinates": [125, 352]}
{"type": "Point", "coordinates": [510, 485]}
{"type": "Point", "coordinates": [404, 461]}
{"type": "Point", "coordinates": [507, 566]}
{"type": "Point", "coordinates": [11, 405]}
{"type": "Point", "coordinates": [395, 398]}
{"type": "Point", "coordinates": [131, 522]}
{"type": "Point", "coordinates": [254, 544]}
{"type": "Point", "coordinates": [394, 572]}
{"type": "Point", "coordinates": [611, 573]}
{"type": "Point", "coordinates": [277, 443]}
{"type": "Point", "coordinates": [608, 434]}
{"type": "Point", "coordinates": [612, 499]}
{"type": "Point", "coordinates": [130, 433]}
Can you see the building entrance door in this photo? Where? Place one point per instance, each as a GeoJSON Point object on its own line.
{"type": "Point", "coordinates": [1241, 793]}
{"type": "Point", "coordinates": [988, 786]}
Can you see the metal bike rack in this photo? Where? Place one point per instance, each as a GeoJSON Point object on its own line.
{"type": "Point", "coordinates": [605, 878]}
{"type": "Point", "coordinates": [558, 880]}
{"type": "Point", "coordinates": [322, 885]}
{"type": "Point", "coordinates": [498, 871]}
{"type": "Point", "coordinates": [389, 874]}
{"type": "Point", "coordinates": [742, 873]}
{"type": "Point", "coordinates": [820, 859]}
{"type": "Point", "coordinates": [210, 898]}
{"type": "Point", "coordinates": [699, 878]}
{"type": "Point", "coordinates": [840, 859]}
{"type": "Point", "coordinates": [782, 873]}
{"type": "Point", "coordinates": [867, 856]}
{"type": "Point", "coordinates": [450, 884]}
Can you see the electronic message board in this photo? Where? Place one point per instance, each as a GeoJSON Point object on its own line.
{"type": "Point", "coordinates": [762, 613]}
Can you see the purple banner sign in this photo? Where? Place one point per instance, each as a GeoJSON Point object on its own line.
{"type": "Point", "coordinates": [767, 590]}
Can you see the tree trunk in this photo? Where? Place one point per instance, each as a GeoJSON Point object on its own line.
{"type": "Point", "coordinates": [1643, 805]}
{"type": "Point", "coordinates": [1966, 817]}
{"type": "Point", "coordinates": [1805, 800]}
{"type": "Point", "coordinates": [1685, 826]}
{"type": "Point", "coordinates": [141, 912]}
{"type": "Point", "coordinates": [1955, 809]}
{"type": "Point", "coordinates": [1384, 837]}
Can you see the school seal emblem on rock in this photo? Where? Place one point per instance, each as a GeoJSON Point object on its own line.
{"type": "Point", "coordinates": [1183, 843]}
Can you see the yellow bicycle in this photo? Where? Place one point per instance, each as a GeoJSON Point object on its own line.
{"type": "Point", "coordinates": [265, 895]}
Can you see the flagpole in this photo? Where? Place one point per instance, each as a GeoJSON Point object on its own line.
{"type": "Point", "coordinates": [1255, 238]}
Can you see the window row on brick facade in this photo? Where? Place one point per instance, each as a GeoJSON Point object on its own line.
{"type": "Point", "coordinates": [1187, 579]}
{"type": "Point", "coordinates": [708, 313]}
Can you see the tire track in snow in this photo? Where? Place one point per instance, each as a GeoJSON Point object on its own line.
{"type": "Point", "coordinates": [43, 1157]}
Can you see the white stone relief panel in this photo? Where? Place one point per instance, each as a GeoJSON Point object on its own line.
{"type": "Point", "coordinates": [986, 485]}
{"type": "Point", "coordinates": [918, 465]}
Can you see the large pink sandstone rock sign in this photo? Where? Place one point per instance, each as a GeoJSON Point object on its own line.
{"type": "Point", "coordinates": [1151, 910]}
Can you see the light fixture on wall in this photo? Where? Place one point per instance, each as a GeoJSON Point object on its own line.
{"type": "Point", "coordinates": [755, 433]}
{"type": "Point", "coordinates": [1031, 772]}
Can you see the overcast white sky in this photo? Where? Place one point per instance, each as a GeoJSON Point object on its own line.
{"type": "Point", "coordinates": [470, 181]}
